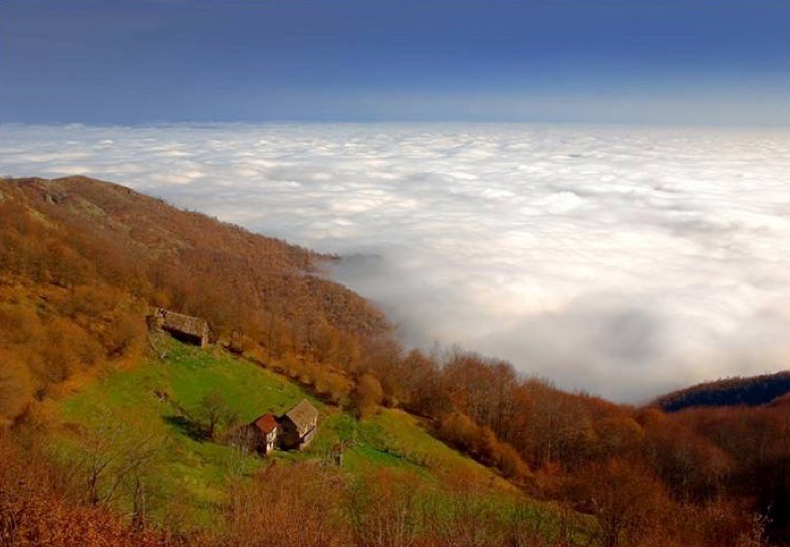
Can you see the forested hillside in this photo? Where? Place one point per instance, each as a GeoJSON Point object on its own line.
{"type": "Point", "coordinates": [83, 261]}
{"type": "Point", "coordinates": [752, 391]}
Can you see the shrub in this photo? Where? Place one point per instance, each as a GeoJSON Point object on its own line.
{"type": "Point", "coordinates": [366, 396]}
{"type": "Point", "coordinates": [16, 386]}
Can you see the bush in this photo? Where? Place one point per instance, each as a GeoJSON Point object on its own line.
{"type": "Point", "coordinates": [460, 431]}
{"type": "Point", "coordinates": [122, 335]}
{"type": "Point", "coordinates": [367, 396]}
{"type": "Point", "coordinates": [16, 386]}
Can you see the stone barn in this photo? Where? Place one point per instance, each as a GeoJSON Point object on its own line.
{"type": "Point", "coordinates": [186, 328]}
{"type": "Point", "coordinates": [298, 425]}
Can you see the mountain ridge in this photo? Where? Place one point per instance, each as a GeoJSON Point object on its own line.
{"type": "Point", "coordinates": [757, 390]}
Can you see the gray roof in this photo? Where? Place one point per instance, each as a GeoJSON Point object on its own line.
{"type": "Point", "coordinates": [187, 324]}
{"type": "Point", "coordinates": [302, 414]}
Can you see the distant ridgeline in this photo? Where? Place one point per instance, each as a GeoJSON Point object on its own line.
{"type": "Point", "coordinates": [751, 391]}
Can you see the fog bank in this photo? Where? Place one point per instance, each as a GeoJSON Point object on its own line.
{"type": "Point", "coordinates": [623, 261]}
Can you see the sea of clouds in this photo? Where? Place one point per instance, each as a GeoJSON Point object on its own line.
{"type": "Point", "coordinates": [623, 261]}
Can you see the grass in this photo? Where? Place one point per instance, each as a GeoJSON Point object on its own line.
{"type": "Point", "coordinates": [152, 406]}
{"type": "Point", "coordinates": [393, 438]}
{"type": "Point", "coordinates": [155, 404]}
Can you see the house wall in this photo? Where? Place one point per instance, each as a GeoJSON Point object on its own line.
{"type": "Point", "coordinates": [270, 441]}
{"type": "Point", "coordinates": [289, 436]}
{"type": "Point", "coordinates": [307, 438]}
{"type": "Point", "coordinates": [308, 427]}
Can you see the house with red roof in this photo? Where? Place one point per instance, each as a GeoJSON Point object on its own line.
{"type": "Point", "coordinates": [262, 433]}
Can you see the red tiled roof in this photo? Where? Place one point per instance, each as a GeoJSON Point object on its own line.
{"type": "Point", "coordinates": [266, 423]}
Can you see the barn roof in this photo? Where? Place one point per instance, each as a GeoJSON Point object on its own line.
{"type": "Point", "coordinates": [265, 423]}
{"type": "Point", "coordinates": [302, 414]}
{"type": "Point", "coordinates": [186, 324]}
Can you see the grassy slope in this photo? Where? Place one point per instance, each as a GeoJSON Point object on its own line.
{"type": "Point", "coordinates": [125, 404]}
{"type": "Point", "coordinates": [123, 408]}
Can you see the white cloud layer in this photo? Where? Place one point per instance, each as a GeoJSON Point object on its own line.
{"type": "Point", "coordinates": [623, 261]}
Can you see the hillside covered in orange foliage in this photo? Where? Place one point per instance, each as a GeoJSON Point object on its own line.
{"type": "Point", "coordinates": [83, 261]}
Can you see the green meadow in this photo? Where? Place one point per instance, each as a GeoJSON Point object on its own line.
{"type": "Point", "coordinates": [155, 408]}
{"type": "Point", "coordinates": [153, 412]}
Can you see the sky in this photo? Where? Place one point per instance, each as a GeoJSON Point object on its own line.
{"type": "Point", "coordinates": [145, 61]}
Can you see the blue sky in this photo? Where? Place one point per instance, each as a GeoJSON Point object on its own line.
{"type": "Point", "coordinates": [100, 62]}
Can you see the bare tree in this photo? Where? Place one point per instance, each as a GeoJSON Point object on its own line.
{"type": "Point", "coordinates": [113, 456]}
{"type": "Point", "coordinates": [215, 410]}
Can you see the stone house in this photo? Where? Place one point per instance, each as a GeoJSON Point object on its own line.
{"type": "Point", "coordinates": [298, 425]}
{"type": "Point", "coordinates": [186, 328]}
{"type": "Point", "coordinates": [262, 434]}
